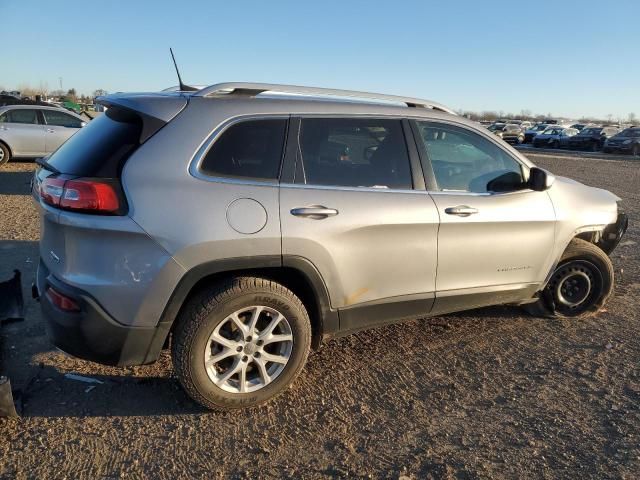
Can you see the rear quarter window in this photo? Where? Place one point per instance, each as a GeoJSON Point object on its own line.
{"type": "Point", "coordinates": [250, 149]}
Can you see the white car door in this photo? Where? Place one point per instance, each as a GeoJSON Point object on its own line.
{"type": "Point", "coordinates": [22, 132]}
{"type": "Point", "coordinates": [496, 235]}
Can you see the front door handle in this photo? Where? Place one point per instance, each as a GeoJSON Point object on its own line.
{"type": "Point", "coordinates": [316, 212]}
{"type": "Point", "coordinates": [461, 210]}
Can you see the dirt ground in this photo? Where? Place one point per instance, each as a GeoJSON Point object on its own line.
{"type": "Point", "coordinates": [491, 393]}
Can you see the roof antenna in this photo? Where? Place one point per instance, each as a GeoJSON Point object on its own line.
{"type": "Point", "coordinates": [183, 87]}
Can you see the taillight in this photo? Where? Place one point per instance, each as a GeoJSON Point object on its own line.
{"type": "Point", "coordinates": [62, 301]}
{"type": "Point", "coordinates": [90, 195]}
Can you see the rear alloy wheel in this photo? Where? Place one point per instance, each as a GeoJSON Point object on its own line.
{"type": "Point", "coordinates": [5, 155]}
{"type": "Point", "coordinates": [240, 343]}
{"type": "Point", "coordinates": [580, 285]}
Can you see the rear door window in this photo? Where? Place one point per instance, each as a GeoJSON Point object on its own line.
{"type": "Point", "coordinates": [61, 119]}
{"type": "Point", "coordinates": [20, 115]}
{"type": "Point", "coordinates": [250, 149]}
{"type": "Point", "coordinates": [355, 152]}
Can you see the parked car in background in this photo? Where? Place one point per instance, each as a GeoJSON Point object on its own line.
{"type": "Point", "coordinates": [579, 126]}
{"type": "Point", "coordinates": [496, 127]}
{"type": "Point", "coordinates": [280, 261]}
{"type": "Point", "coordinates": [554, 137]}
{"type": "Point", "coordinates": [29, 131]}
{"type": "Point", "coordinates": [592, 138]}
{"type": "Point", "coordinates": [511, 133]}
{"type": "Point", "coordinates": [531, 133]}
{"type": "Point", "coordinates": [627, 141]}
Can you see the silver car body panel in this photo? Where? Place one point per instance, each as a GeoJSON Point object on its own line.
{"type": "Point", "coordinates": [384, 246]}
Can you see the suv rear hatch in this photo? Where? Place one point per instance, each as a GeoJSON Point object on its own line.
{"type": "Point", "coordinates": [87, 239]}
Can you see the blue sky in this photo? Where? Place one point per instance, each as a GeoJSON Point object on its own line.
{"type": "Point", "coordinates": [562, 57]}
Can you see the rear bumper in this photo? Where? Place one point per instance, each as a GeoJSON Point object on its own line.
{"type": "Point", "coordinates": [91, 334]}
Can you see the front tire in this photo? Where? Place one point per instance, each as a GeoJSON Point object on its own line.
{"type": "Point", "coordinates": [240, 343]}
{"type": "Point", "coordinates": [580, 285]}
{"type": "Point", "coordinates": [5, 154]}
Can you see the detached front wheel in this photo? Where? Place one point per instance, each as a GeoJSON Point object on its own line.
{"type": "Point", "coordinates": [580, 285]}
{"type": "Point", "coordinates": [240, 343]}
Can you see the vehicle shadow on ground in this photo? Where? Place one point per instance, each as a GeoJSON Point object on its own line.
{"type": "Point", "coordinates": [49, 393]}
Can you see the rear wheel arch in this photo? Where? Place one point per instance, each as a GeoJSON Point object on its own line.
{"type": "Point", "coordinates": [295, 273]}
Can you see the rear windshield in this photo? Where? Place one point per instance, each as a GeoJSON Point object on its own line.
{"type": "Point", "coordinates": [100, 148]}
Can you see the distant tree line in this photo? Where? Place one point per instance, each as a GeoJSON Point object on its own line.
{"type": "Point", "coordinates": [61, 95]}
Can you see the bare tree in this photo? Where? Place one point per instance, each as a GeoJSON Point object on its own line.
{"type": "Point", "coordinates": [632, 118]}
{"type": "Point", "coordinates": [99, 92]}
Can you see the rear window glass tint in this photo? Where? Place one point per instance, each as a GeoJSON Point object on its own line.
{"type": "Point", "coordinates": [355, 153]}
{"type": "Point", "coordinates": [251, 149]}
{"type": "Point", "coordinates": [100, 148]}
{"type": "Point", "coordinates": [21, 116]}
{"type": "Point", "coordinates": [61, 119]}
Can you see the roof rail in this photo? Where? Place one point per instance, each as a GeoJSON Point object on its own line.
{"type": "Point", "coordinates": [253, 89]}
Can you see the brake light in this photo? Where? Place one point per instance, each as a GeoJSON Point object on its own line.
{"type": "Point", "coordinates": [83, 194]}
{"type": "Point", "coordinates": [62, 301]}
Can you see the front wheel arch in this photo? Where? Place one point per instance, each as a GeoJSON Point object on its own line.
{"type": "Point", "coordinates": [596, 263]}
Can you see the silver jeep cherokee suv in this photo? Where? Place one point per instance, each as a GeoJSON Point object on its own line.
{"type": "Point", "coordinates": [250, 222]}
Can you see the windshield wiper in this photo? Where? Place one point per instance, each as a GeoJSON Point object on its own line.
{"type": "Point", "coordinates": [44, 164]}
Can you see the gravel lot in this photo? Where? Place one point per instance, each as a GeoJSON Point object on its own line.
{"type": "Point", "coordinates": [491, 393]}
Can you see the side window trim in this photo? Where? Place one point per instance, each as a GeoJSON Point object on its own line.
{"type": "Point", "coordinates": [200, 154]}
{"type": "Point", "coordinates": [432, 184]}
{"type": "Point", "coordinates": [300, 177]}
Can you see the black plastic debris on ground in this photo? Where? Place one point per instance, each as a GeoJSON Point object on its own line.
{"type": "Point", "coordinates": [11, 301]}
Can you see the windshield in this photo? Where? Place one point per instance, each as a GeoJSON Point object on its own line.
{"type": "Point", "coordinates": [630, 132]}
{"type": "Point", "coordinates": [540, 128]}
{"type": "Point", "coordinates": [498, 127]}
{"type": "Point", "coordinates": [591, 131]}
{"type": "Point", "coordinates": [552, 131]}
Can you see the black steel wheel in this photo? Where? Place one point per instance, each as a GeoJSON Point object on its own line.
{"type": "Point", "coordinates": [579, 286]}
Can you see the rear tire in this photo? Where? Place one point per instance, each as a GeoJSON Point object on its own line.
{"type": "Point", "coordinates": [580, 285]}
{"type": "Point", "coordinates": [239, 326]}
{"type": "Point", "coordinates": [5, 154]}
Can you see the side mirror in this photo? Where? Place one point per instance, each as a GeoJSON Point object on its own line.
{"type": "Point", "coordinates": [539, 180]}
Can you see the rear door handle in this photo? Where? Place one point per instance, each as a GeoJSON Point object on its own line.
{"type": "Point", "coordinates": [316, 212]}
{"type": "Point", "coordinates": [461, 210]}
